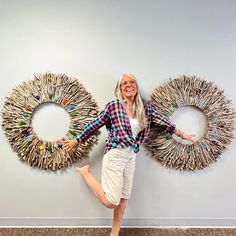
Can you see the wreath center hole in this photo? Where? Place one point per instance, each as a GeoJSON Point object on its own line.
{"type": "Point", "coordinates": [190, 120]}
{"type": "Point", "coordinates": [50, 121]}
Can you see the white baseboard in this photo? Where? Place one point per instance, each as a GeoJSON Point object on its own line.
{"type": "Point", "coordinates": [106, 222]}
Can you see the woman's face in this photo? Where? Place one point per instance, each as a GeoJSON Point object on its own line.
{"type": "Point", "coordinates": [129, 87]}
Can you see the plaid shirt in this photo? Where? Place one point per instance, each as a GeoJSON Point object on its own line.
{"type": "Point", "coordinates": [118, 126]}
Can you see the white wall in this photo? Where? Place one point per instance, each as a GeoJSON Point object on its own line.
{"type": "Point", "coordinates": [97, 41]}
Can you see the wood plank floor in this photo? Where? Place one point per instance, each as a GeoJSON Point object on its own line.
{"type": "Point", "coordinates": [124, 232]}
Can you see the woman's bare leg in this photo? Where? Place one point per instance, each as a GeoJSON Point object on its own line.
{"type": "Point", "coordinates": [95, 185]}
{"type": "Point", "coordinates": [118, 217]}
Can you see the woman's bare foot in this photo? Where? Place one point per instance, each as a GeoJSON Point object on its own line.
{"type": "Point", "coordinates": [83, 170]}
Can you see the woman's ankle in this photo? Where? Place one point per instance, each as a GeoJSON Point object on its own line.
{"type": "Point", "coordinates": [83, 170]}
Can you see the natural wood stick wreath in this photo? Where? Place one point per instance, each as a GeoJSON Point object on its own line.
{"type": "Point", "coordinates": [18, 111]}
{"type": "Point", "coordinates": [206, 96]}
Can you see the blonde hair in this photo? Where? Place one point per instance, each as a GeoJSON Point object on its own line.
{"type": "Point", "coordinates": [138, 106]}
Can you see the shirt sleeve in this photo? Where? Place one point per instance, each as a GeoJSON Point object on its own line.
{"type": "Point", "coordinates": [159, 120]}
{"type": "Point", "coordinates": [94, 125]}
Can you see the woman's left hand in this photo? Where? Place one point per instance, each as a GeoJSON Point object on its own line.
{"type": "Point", "coordinates": [189, 137]}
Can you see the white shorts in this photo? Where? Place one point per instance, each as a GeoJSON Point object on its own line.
{"type": "Point", "coordinates": [117, 174]}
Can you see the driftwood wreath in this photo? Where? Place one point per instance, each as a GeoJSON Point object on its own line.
{"type": "Point", "coordinates": [206, 96]}
{"type": "Point", "coordinates": [17, 119]}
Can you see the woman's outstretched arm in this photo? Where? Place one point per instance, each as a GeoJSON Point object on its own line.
{"type": "Point", "coordinates": [159, 120]}
{"type": "Point", "coordinates": [184, 136]}
{"type": "Point", "coordinates": [94, 125]}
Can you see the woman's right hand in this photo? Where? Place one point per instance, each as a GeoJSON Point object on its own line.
{"type": "Point", "coordinates": [69, 145]}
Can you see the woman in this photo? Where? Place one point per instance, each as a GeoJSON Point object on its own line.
{"type": "Point", "coordinates": [128, 121]}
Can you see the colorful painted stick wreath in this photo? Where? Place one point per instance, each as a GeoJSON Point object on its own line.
{"type": "Point", "coordinates": [69, 93]}
{"type": "Point", "coordinates": [206, 96]}
{"type": "Point", "coordinates": [17, 118]}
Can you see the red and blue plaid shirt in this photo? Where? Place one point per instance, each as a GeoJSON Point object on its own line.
{"type": "Point", "coordinates": [118, 126]}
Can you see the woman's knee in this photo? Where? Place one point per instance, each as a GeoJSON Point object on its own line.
{"type": "Point", "coordinates": [108, 204]}
{"type": "Point", "coordinates": [123, 201]}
